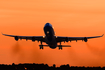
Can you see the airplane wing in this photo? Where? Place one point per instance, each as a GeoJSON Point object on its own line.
{"type": "Point", "coordinates": [33, 38]}
{"type": "Point", "coordinates": [61, 39]}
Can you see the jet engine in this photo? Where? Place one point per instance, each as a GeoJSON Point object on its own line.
{"type": "Point", "coordinates": [85, 39]}
{"type": "Point", "coordinates": [67, 39]}
{"type": "Point", "coordinates": [16, 38]}
{"type": "Point", "coordinates": [33, 39]}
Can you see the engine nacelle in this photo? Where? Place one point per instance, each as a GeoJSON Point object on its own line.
{"type": "Point", "coordinates": [67, 39]}
{"type": "Point", "coordinates": [85, 39]}
{"type": "Point", "coordinates": [16, 38]}
{"type": "Point", "coordinates": [33, 39]}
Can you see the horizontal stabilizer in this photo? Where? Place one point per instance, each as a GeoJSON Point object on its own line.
{"type": "Point", "coordinates": [63, 46]}
{"type": "Point", "coordinates": [44, 45]}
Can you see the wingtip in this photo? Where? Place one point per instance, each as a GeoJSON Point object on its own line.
{"type": "Point", "coordinates": [2, 33]}
{"type": "Point", "coordinates": [103, 35]}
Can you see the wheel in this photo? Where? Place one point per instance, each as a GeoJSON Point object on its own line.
{"type": "Point", "coordinates": [41, 46]}
{"type": "Point", "coordinates": [60, 48]}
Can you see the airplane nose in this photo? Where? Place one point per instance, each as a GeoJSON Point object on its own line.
{"type": "Point", "coordinates": [48, 24]}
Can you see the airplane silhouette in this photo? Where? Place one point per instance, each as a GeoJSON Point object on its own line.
{"type": "Point", "coordinates": [50, 38]}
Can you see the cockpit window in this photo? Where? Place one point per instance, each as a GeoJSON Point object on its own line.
{"type": "Point", "coordinates": [48, 24]}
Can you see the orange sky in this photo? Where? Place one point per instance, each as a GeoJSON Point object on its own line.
{"type": "Point", "coordinates": [69, 18]}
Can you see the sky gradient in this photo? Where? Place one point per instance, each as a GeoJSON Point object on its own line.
{"type": "Point", "coordinates": [72, 18]}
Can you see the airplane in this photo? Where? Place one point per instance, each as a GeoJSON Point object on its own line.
{"type": "Point", "coordinates": [50, 39]}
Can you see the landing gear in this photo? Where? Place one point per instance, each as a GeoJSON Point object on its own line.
{"type": "Point", "coordinates": [60, 48]}
{"type": "Point", "coordinates": [41, 46]}
{"type": "Point", "coordinates": [60, 43]}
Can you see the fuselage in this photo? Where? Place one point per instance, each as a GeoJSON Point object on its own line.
{"type": "Point", "coordinates": [50, 36]}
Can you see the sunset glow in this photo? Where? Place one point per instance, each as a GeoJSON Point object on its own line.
{"type": "Point", "coordinates": [72, 18]}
